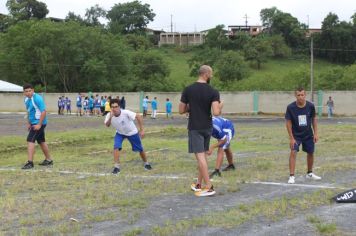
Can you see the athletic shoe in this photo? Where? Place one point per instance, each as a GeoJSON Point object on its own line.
{"type": "Point", "coordinates": [148, 167]}
{"type": "Point", "coordinates": [291, 180]}
{"type": "Point", "coordinates": [312, 176]}
{"type": "Point", "coordinates": [229, 167]}
{"type": "Point", "coordinates": [28, 165]}
{"type": "Point", "coordinates": [46, 163]}
{"type": "Point", "coordinates": [115, 171]}
{"type": "Point", "coordinates": [195, 187]}
{"type": "Point", "coordinates": [215, 172]}
{"type": "Point", "coordinates": [205, 192]}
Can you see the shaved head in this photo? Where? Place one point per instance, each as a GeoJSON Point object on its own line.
{"type": "Point", "coordinates": [204, 69]}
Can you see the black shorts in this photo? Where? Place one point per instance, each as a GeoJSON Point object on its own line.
{"type": "Point", "coordinates": [199, 140]}
{"type": "Point", "coordinates": [37, 135]}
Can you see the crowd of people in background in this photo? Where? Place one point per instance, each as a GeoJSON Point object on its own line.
{"type": "Point", "coordinates": [90, 105]}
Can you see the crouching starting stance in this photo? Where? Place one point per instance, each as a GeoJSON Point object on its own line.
{"type": "Point", "coordinates": [123, 122]}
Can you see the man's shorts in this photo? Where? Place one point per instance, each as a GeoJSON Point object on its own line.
{"type": "Point", "coordinates": [135, 141]}
{"type": "Point", "coordinates": [36, 135]}
{"type": "Point", "coordinates": [229, 135]}
{"type": "Point", "coordinates": [308, 145]}
{"type": "Point", "coordinates": [199, 140]}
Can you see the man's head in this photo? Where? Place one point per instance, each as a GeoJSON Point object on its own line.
{"type": "Point", "coordinates": [115, 106]}
{"type": "Point", "coordinates": [330, 98]}
{"type": "Point", "coordinates": [205, 73]}
{"type": "Point", "coordinates": [28, 90]}
{"type": "Point", "coordinates": [300, 95]}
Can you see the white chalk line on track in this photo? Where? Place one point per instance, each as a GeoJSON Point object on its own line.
{"type": "Point", "coordinates": [90, 174]}
{"type": "Point", "coordinates": [297, 185]}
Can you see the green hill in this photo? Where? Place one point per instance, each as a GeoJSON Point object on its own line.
{"type": "Point", "coordinates": [276, 74]}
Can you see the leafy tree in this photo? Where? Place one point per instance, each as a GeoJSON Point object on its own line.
{"type": "Point", "coordinates": [285, 24]}
{"type": "Point", "coordinates": [208, 56]}
{"type": "Point", "coordinates": [63, 56]}
{"type": "Point", "coordinates": [330, 79]}
{"type": "Point", "coordinates": [130, 17]}
{"type": "Point", "coordinates": [258, 49]}
{"type": "Point", "coordinates": [348, 81]}
{"type": "Point", "coordinates": [93, 14]}
{"type": "Point", "coordinates": [267, 16]}
{"type": "Point", "coordinates": [353, 18]}
{"type": "Point", "coordinates": [300, 76]}
{"type": "Point", "coordinates": [137, 42]}
{"type": "Point", "coordinates": [150, 72]}
{"type": "Point", "coordinates": [216, 37]}
{"type": "Point", "coordinates": [279, 46]}
{"type": "Point", "coordinates": [26, 9]}
{"type": "Point", "coordinates": [231, 66]}
{"type": "Point", "coordinates": [337, 40]}
{"type": "Point", "coordinates": [71, 16]}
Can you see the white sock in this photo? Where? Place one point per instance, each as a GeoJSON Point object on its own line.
{"type": "Point", "coordinates": [117, 165]}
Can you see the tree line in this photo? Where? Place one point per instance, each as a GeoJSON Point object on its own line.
{"type": "Point", "coordinates": [83, 54]}
{"type": "Point", "coordinates": [283, 37]}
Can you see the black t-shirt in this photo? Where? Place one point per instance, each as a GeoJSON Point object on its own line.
{"type": "Point", "coordinates": [199, 96]}
{"type": "Point", "coordinates": [301, 120]}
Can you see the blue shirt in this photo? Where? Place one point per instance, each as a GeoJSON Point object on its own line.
{"type": "Point", "coordinates": [221, 127]}
{"type": "Point", "coordinates": [154, 104]}
{"type": "Point", "coordinates": [169, 106]}
{"type": "Point", "coordinates": [35, 106]}
{"type": "Point", "coordinates": [301, 119]}
{"type": "Point", "coordinates": [145, 103]}
{"type": "Point", "coordinates": [79, 101]}
{"type": "Point", "coordinates": [91, 103]}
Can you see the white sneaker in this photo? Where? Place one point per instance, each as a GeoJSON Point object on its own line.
{"type": "Point", "coordinates": [291, 180]}
{"type": "Point", "coordinates": [312, 176]}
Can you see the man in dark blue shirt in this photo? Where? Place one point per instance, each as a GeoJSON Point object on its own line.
{"type": "Point", "coordinates": [302, 129]}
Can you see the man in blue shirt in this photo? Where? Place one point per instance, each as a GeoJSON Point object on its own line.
{"type": "Point", "coordinates": [302, 129]}
{"type": "Point", "coordinates": [79, 104]}
{"type": "Point", "coordinates": [168, 108]}
{"type": "Point", "coordinates": [145, 106]}
{"type": "Point", "coordinates": [223, 131]}
{"type": "Point", "coordinates": [37, 121]}
{"type": "Point", "coordinates": [154, 105]}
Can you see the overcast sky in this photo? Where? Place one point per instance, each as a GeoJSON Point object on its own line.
{"type": "Point", "coordinates": [197, 15]}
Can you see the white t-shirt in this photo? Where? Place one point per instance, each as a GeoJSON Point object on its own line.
{"type": "Point", "coordinates": [124, 123]}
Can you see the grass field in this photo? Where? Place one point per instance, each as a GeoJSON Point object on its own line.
{"type": "Point", "coordinates": [79, 196]}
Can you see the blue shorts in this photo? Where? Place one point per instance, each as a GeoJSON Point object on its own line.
{"type": "Point", "coordinates": [135, 141]}
{"type": "Point", "coordinates": [308, 145]}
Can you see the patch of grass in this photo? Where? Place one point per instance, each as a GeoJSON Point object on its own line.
{"type": "Point", "coordinates": [134, 232]}
{"type": "Point", "coordinates": [323, 228]}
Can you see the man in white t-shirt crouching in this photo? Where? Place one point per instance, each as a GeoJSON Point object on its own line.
{"type": "Point", "coordinates": [123, 122]}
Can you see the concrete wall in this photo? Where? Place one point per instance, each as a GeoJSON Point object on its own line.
{"type": "Point", "coordinates": [234, 102]}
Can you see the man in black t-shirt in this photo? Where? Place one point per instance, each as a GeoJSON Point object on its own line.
{"type": "Point", "coordinates": [200, 98]}
{"type": "Point", "coordinates": [302, 129]}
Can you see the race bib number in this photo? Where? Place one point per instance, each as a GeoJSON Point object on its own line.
{"type": "Point", "coordinates": [302, 119]}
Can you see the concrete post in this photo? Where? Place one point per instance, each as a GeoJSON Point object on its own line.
{"type": "Point", "coordinates": [141, 101]}
{"type": "Point", "coordinates": [320, 103]}
{"type": "Point", "coordinates": [255, 95]}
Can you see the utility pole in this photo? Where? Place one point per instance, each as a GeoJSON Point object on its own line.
{"type": "Point", "coordinates": [171, 23]}
{"type": "Point", "coordinates": [245, 17]}
{"type": "Point", "coordinates": [311, 67]}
